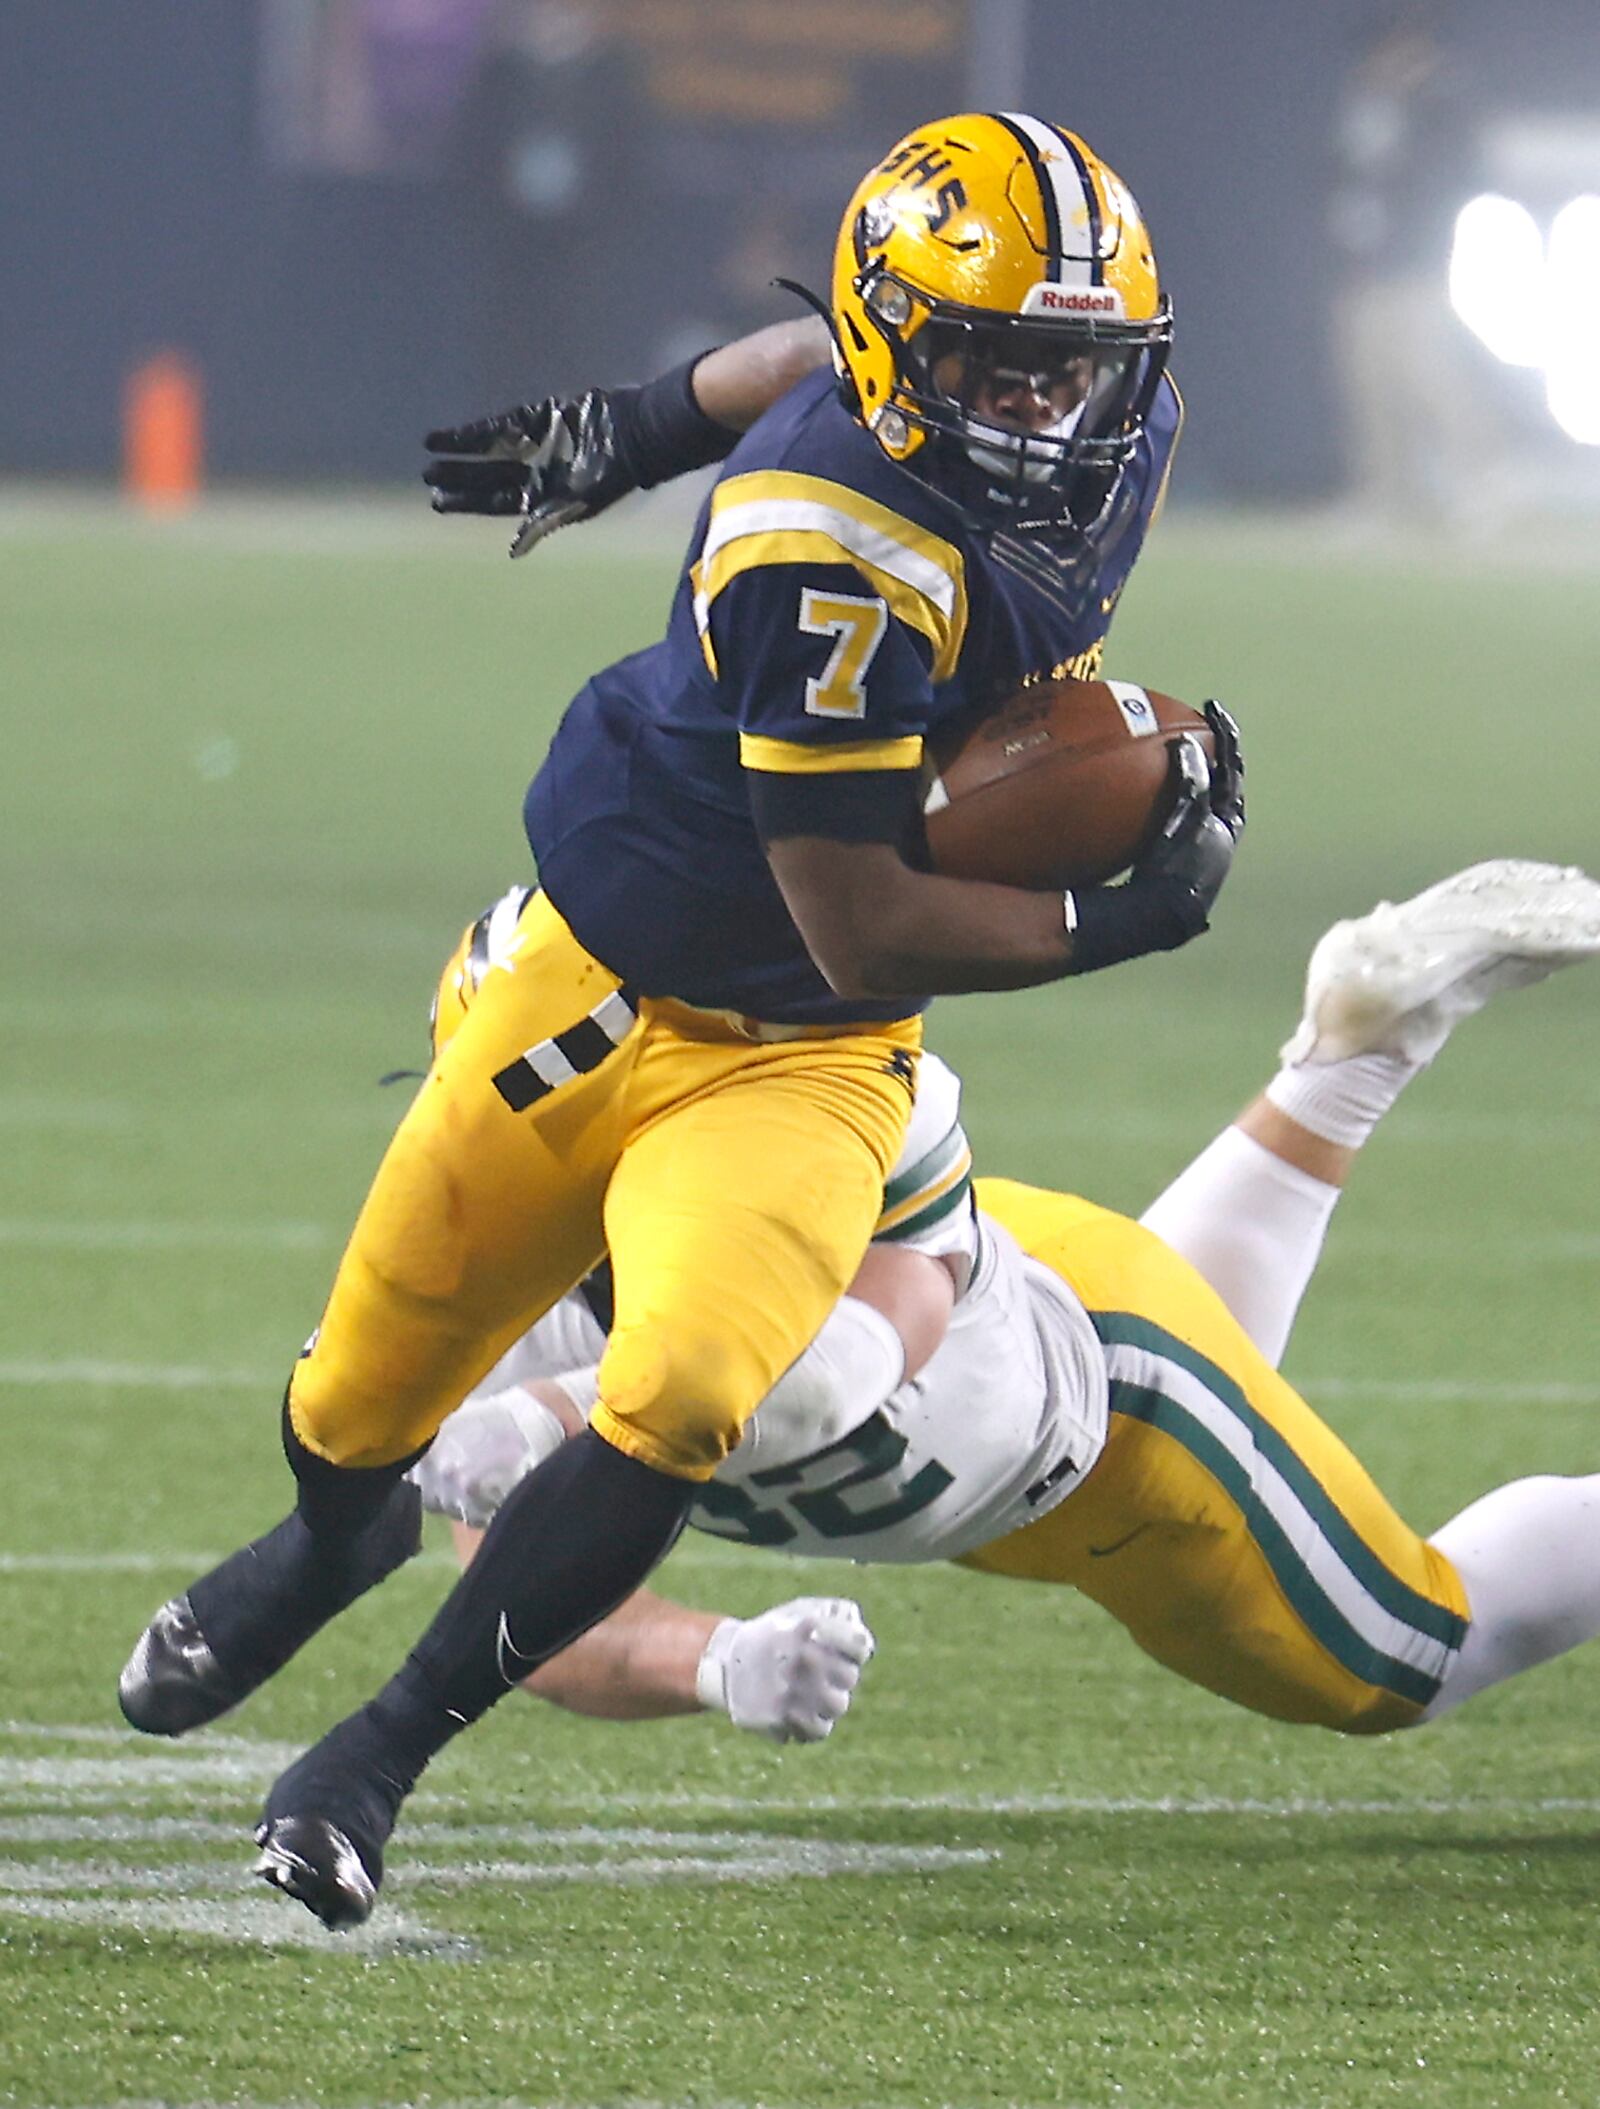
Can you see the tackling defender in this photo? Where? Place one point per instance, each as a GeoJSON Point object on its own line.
{"type": "Point", "coordinates": [698, 1047]}
{"type": "Point", "coordinates": [1203, 1504]}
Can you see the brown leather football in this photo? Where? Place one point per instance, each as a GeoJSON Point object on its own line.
{"type": "Point", "coordinates": [1066, 784]}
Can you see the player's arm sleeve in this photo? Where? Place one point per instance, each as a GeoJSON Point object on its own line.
{"type": "Point", "coordinates": [927, 1207]}
{"type": "Point", "coordinates": [827, 620]}
{"type": "Point", "coordinates": [927, 1199]}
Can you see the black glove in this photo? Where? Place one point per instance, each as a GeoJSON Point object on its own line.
{"type": "Point", "coordinates": [560, 460]}
{"type": "Point", "coordinates": [1168, 896]}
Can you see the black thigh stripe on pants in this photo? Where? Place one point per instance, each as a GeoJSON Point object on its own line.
{"type": "Point", "coordinates": [568, 1054]}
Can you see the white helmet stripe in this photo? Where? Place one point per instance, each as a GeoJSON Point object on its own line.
{"type": "Point", "coordinates": [1073, 194]}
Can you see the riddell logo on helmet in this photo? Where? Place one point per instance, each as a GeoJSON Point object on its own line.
{"type": "Point", "coordinates": [1053, 298]}
{"type": "Point", "coordinates": [1068, 301]}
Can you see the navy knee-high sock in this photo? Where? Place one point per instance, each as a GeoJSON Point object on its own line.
{"type": "Point", "coordinates": [571, 1541]}
{"type": "Point", "coordinates": [349, 1529]}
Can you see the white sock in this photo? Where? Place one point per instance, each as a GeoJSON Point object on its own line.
{"type": "Point", "coordinates": [1529, 1558]}
{"type": "Point", "coordinates": [1253, 1226]}
{"type": "Point", "coordinates": [1342, 1101]}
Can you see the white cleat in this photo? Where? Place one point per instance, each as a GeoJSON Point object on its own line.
{"type": "Point", "coordinates": [1398, 981]}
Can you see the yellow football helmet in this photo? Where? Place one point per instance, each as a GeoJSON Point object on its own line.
{"type": "Point", "coordinates": [999, 316]}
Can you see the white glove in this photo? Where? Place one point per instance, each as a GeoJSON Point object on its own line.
{"type": "Point", "coordinates": [481, 1452]}
{"type": "Point", "coordinates": [789, 1674]}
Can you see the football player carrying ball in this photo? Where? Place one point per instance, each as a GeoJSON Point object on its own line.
{"type": "Point", "coordinates": [697, 1046]}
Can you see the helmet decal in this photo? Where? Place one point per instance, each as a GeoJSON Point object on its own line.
{"type": "Point", "coordinates": [1067, 191]}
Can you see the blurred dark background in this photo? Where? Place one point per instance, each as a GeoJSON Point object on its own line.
{"type": "Point", "coordinates": [359, 217]}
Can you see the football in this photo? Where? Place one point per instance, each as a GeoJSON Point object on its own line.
{"type": "Point", "coordinates": [1066, 784]}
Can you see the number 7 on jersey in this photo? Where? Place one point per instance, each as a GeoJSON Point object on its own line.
{"type": "Point", "coordinates": [856, 623]}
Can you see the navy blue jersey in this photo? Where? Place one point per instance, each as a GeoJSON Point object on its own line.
{"type": "Point", "coordinates": [832, 613]}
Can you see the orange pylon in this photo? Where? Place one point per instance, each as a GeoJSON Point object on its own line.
{"type": "Point", "coordinates": [162, 445]}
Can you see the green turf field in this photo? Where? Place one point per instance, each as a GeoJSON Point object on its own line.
{"type": "Point", "coordinates": [258, 773]}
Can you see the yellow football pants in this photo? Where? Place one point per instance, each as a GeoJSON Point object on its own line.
{"type": "Point", "coordinates": [1230, 1531]}
{"type": "Point", "coordinates": [733, 1175]}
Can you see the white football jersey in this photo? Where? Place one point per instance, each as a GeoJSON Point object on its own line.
{"type": "Point", "coordinates": [1000, 1425]}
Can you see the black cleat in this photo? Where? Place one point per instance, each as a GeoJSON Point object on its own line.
{"type": "Point", "coordinates": [172, 1682]}
{"type": "Point", "coordinates": [328, 1819]}
{"type": "Point", "coordinates": [198, 1659]}
{"type": "Point", "coordinates": [312, 1861]}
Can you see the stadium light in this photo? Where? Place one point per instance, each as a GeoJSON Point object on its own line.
{"type": "Point", "coordinates": [1572, 378]}
{"type": "Point", "coordinates": [1534, 300]}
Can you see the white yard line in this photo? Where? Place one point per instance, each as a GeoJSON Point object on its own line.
{"type": "Point", "coordinates": [46, 1234]}
{"type": "Point", "coordinates": [1496, 1250]}
{"type": "Point", "coordinates": [97, 1732]}
{"type": "Point", "coordinates": [188, 1874]}
{"type": "Point", "coordinates": [686, 1856]}
{"type": "Point", "coordinates": [342, 1943]}
{"type": "Point", "coordinates": [1448, 1391]}
{"type": "Point", "coordinates": [707, 1555]}
{"type": "Point", "coordinates": [53, 1786]}
{"type": "Point", "coordinates": [250, 1921]}
{"type": "Point", "coordinates": [39, 1373]}
{"type": "Point", "coordinates": [978, 1805]}
{"type": "Point", "coordinates": [190, 1563]}
{"type": "Point", "coordinates": [62, 1781]}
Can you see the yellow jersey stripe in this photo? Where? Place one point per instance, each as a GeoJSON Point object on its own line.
{"type": "Point", "coordinates": [811, 546]}
{"type": "Point", "coordinates": [796, 758]}
{"type": "Point", "coordinates": [936, 566]}
{"type": "Point", "coordinates": [778, 517]}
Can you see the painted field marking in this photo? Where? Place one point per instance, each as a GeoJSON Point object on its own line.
{"type": "Point", "coordinates": [210, 1897]}
{"type": "Point", "coordinates": [139, 1376]}
{"type": "Point", "coordinates": [106, 1562]}
{"type": "Point", "coordinates": [215, 1768]}
{"type": "Point", "coordinates": [1505, 1248]}
{"type": "Point", "coordinates": [709, 1554]}
{"type": "Point", "coordinates": [70, 1780]}
{"type": "Point", "coordinates": [117, 1830]}
{"type": "Point", "coordinates": [42, 1372]}
{"type": "Point", "coordinates": [1496, 1251]}
{"type": "Point", "coordinates": [133, 1882]}
{"type": "Point", "coordinates": [1448, 1391]}
{"type": "Point", "coordinates": [114, 1733]}
{"type": "Point", "coordinates": [569, 2101]}
{"type": "Point", "coordinates": [151, 1562]}
{"type": "Point", "coordinates": [1176, 1805]}
{"type": "Point", "coordinates": [56, 1234]}
{"type": "Point", "coordinates": [683, 1856]}
{"type": "Point", "coordinates": [256, 1922]}
{"type": "Point", "coordinates": [589, 1854]}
